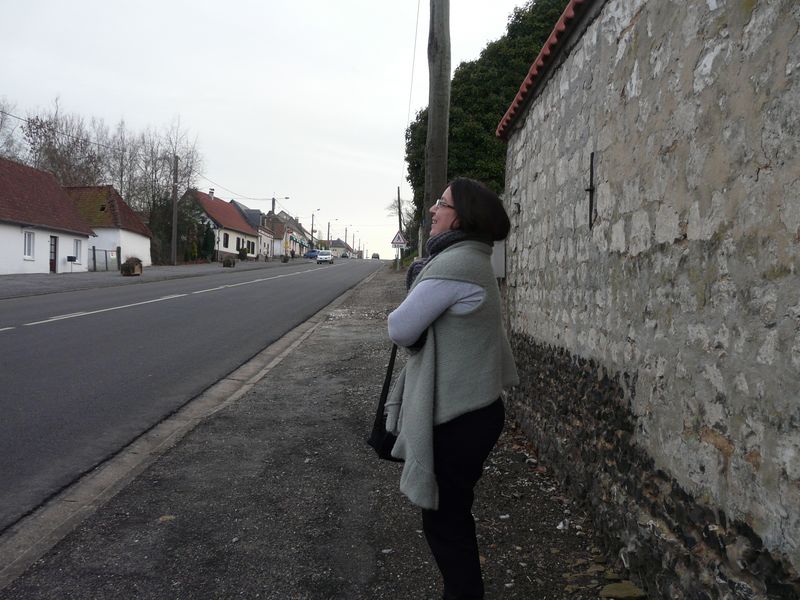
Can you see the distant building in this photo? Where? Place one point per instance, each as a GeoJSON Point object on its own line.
{"type": "Point", "coordinates": [289, 234]}
{"type": "Point", "coordinates": [231, 230]}
{"type": "Point", "coordinates": [41, 231]}
{"type": "Point", "coordinates": [119, 230]}
{"type": "Point", "coordinates": [338, 248]}
{"type": "Point", "coordinates": [258, 221]}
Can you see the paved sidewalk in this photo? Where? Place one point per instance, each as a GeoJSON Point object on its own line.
{"type": "Point", "coordinates": [33, 284]}
{"type": "Point", "coordinates": [277, 496]}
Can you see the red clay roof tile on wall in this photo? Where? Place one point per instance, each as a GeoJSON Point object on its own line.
{"type": "Point", "coordinates": [102, 206]}
{"type": "Point", "coordinates": [33, 198]}
{"type": "Point", "coordinates": [562, 28]}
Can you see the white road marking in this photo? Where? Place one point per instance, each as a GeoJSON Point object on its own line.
{"type": "Point", "coordinates": [102, 310]}
{"type": "Point", "coordinates": [172, 297]}
{"type": "Point", "coordinates": [7, 328]}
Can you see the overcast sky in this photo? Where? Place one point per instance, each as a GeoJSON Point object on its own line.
{"type": "Point", "coordinates": [301, 98]}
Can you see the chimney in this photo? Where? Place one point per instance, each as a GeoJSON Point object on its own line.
{"type": "Point", "coordinates": [211, 192]}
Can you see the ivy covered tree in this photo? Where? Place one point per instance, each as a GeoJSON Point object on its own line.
{"type": "Point", "coordinates": [416, 135]}
{"type": "Point", "coordinates": [480, 93]}
{"type": "Point", "coordinates": [193, 241]}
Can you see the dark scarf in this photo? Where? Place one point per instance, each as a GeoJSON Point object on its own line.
{"type": "Point", "coordinates": [435, 245]}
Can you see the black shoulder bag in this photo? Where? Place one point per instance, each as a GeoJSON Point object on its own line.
{"type": "Point", "coordinates": [380, 439]}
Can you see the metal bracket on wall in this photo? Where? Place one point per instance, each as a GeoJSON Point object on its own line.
{"type": "Point", "coordinates": [590, 189]}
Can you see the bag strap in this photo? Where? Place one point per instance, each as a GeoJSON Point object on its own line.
{"type": "Point", "coordinates": [386, 383]}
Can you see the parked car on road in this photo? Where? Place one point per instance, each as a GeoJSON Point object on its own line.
{"type": "Point", "coordinates": [311, 254]}
{"type": "Point", "coordinates": [376, 256]}
{"type": "Point", "coordinates": [324, 256]}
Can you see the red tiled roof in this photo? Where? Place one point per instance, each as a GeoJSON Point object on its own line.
{"type": "Point", "coordinates": [560, 32]}
{"type": "Point", "coordinates": [102, 206]}
{"type": "Point", "coordinates": [223, 213]}
{"type": "Point", "coordinates": [33, 198]}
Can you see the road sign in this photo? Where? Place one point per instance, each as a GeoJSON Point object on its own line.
{"type": "Point", "coordinates": [399, 241]}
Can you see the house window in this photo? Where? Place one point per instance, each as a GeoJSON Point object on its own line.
{"type": "Point", "coordinates": [28, 246]}
{"type": "Point", "coordinates": [238, 244]}
{"type": "Point", "coordinates": [77, 251]}
{"type": "Point", "coordinates": [225, 240]}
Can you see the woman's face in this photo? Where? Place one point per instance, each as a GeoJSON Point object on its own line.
{"type": "Point", "coordinates": [444, 214]}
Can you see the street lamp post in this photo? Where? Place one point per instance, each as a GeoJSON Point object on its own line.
{"type": "Point", "coordinates": [330, 247]}
{"type": "Point", "coordinates": [345, 234]}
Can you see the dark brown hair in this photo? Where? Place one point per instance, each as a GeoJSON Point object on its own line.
{"type": "Point", "coordinates": [480, 212]}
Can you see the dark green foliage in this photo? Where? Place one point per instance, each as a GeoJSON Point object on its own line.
{"type": "Point", "coordinates": [207, 248]}
{"type": "Point", "coordinates": [481, 92]}
{"type": "Point", "coordinates": [228, 261]}
{"type": "Point", "coordinates": [243, 253]}
{"type": "Point", "coordinates": [415, 157]}
{"type": "Point", "coordinates": [415, 154]}
{"type": "Point", "coordinates": [191, 230]}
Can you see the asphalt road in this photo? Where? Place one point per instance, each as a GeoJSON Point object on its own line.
{"type": "Point", "coordinates": [84, 373]}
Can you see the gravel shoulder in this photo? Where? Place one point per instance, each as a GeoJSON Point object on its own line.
{"type": "Point", "coordinates": [277, 496]}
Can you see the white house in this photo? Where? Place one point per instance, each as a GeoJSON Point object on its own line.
{"type": "Point", "coordinates": [288, 234]}
{"type": "Point", "coordinates": [258, 221]}
{"type": "Point", "coordinates": [231, 231]}
{"type": "Point", "coordinates": [280, 235]}
{"type": "Point", "coordinates": [339, 248]}
{"type": "Point", "coordinates": [120, 232]}
{"type": "Point", "coordinates": [41, 231]}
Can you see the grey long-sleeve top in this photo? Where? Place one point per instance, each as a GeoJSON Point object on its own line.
{"type": "Point", "coordinates": [426, 302]}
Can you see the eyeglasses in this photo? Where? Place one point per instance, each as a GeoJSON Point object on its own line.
{"type": "Point", "coordinates": [441, 203]}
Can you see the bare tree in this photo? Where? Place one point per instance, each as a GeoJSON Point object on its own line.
{"type": "Point", "coordinates": [123, 160]}
{"type": "Point", "coordinates": [9, 143]}
{"type": "Point", "coordinates": [66, 146]}
{"type": "Point", "coordinates": [152, 179]}
{"type": "Point", "coordinates": [177, 143]}
{"type": "Point", "coordinates": [438, 110]}
{"type": "Point", "coordinates": [394, 208]}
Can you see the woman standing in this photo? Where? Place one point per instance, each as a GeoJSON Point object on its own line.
{"type": "Point", "coordinates": [445, 407]}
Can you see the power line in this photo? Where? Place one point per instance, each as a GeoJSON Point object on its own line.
{"type": "Point", "coordinates": [64, 133]}
{"type": "Point", "coordinates": [220, 186]}
{"type": "Point", "coordinates": [411, 84]}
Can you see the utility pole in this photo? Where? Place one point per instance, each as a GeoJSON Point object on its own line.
{"type": "Point", "coordinates": [438, 112]}
{"type": "Point", "coordinates": [399, 212]}
{"type": "Point", "coordinates": [399, 221]}
{"type": "Point", "coordinates": [174, 209]}
{"type": "Point", "coordinates": [312, 230]}
{"type": "Point", "coordinates": [329, 235]}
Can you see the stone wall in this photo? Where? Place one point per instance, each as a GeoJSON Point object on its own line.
{"type": "Point", "coordinates": [659, 347]}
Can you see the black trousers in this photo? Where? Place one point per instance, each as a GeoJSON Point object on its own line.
{"type": "Point", "coordinates": [460, 448]}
